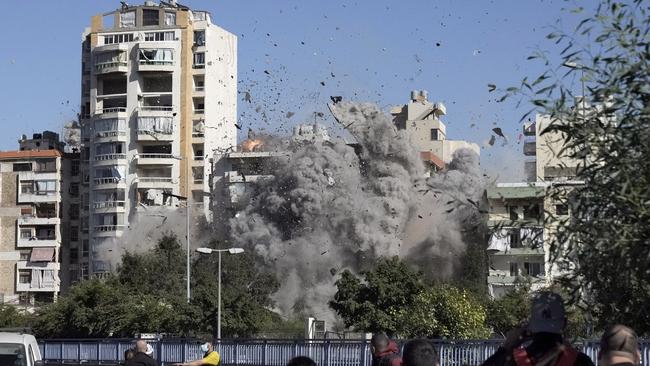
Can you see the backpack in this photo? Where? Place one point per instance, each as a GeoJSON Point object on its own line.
{"type": "Point", "coordinates": [567, 356]}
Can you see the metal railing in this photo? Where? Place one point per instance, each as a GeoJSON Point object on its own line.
{"type": "Point", "coordinates": [164, 108]}
{"type": "Point", "coordinates": [155, 180]}
{"type": "Point", "coordinates": [108, 204]}
{"type": "Point", "coordinates": [105, 65]}
{"type": "Point", "coordinates": [109, 157]}
{"type": "Point", "coordinates": [157, 62]}
{"type": "Point", "coordinates": [276, 352]}
{"type": "Point", "coordinates": [108, 228]}
{"type": "Point", "coordinates": [108, 180]}
{"type": "Point", "coordinates": [111, 110]}
{"type": "Point", "coordinates": [112, 133]}
{"type": "Point", "coordinates": [154, 156]}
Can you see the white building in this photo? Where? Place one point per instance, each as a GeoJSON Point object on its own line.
{"type": "Point", "coordinates": [159, 89]}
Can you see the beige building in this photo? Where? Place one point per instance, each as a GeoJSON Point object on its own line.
{"type": "Point", "coordinates": [421, 119]}
{"type": "Point", "coordinates": [32, 217]}
{"type": "Point", "coordinates": [159, 96]}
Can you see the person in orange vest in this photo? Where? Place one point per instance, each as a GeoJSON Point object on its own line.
{"type": "Point", "coordinates": [543, 336]}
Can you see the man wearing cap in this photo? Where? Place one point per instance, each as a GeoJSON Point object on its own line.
{"type": "Point", "coordinates": [619, 346]}
{"type": "Point", "coordinates": [545, 328]}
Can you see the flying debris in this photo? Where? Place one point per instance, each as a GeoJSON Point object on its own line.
{"type": "Point", "coordinates": [498, 131]}
{"type": "Point", "coordinates": [336, 99]}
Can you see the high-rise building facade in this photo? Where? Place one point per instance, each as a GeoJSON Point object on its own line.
{"type": "Point", "coordinates": [159, 95]}
{"type": "Point", "coordinates": [36, 211]}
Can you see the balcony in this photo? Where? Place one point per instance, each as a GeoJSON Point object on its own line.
{"type": "Point", "coordinates": [108, 230]}
{"type": "Point", "coordinates": [530, 146]}
{"type": "Point", "coordinates": [110, 159]}
{"type": "Point", "coordinates": [156, 59]}
{"type": "Point", "coordinates": [108, 206]}
{"type": "Point", "coordinates": [155, 159]}
{"type": "Point", "coordinates": [197, 161]}
{"type": "Point", "coordinates": [235, 177]}
{"type": "Point", "coordinates": [33, 220]}
{"type": "Point", "coordinates": [110, 136]}
{"type": "Point", "coordinates": [48, 277]}
{"type": "Point", "coordinates": [37, 175]}
{"type": "Point", "coordinates": [111, 67]}
{"type": "Point", "coordinates": [111, 112]}
{"type": "Point", "coordinates": [37, 242]}
{"type": "Point", "coordinates": [155, 182]}
{"type": "Point", "coordinates": [39, 196]}
{"type": "Point", "coordinates": [109, 183]}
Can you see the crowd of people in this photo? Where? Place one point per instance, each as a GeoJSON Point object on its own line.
{"type": "Point", "coordinates": [539, 343]}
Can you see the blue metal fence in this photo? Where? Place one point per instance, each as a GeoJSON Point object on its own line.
{"type": "Point", "coordinates": [274, 352]}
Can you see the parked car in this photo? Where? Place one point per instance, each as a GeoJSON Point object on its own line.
{"type": "Point", "coordinates": [19, 349]}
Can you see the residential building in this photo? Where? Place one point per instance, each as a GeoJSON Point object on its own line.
{"type": "Point", "coordinates": [427, 132]}
{"type": "Point", "coordinates": [159, 89]}
{"type": "Point", "coordinates": [34, 209]}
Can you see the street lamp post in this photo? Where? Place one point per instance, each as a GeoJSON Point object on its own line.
{"type": "Point", "coordinates": [210, 251]}
{"type": "Point", "coordinates": [188, 207]}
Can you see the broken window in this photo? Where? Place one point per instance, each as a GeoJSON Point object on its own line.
{"type": "Point", "coordinates": [534, 268]}
{"type": "Point", "coordinates": [161, 56]}
{"type": "Point", "coordinates": [157, 84]}
{"type": "Point", "coordinates": [170, 18]}
{"type": "Point", "coordinates": [514, 269]}
{"type": "Point", "coordinates": [562, 210]}
{"type": "Point", "coordinates": [127, 19]}
{"type": "Point", "coordinates": [199, 38]}
{"type": "Point", "coordinates": [532, 212]}
{"type": "Point", "coordinates": [150, 17]}
{"type": "Point", "coordinates": [163, 125]}
{"type": "Point", "coordinates": [110, 59]}
{"type": "Point", "coordinates": [514, 215]}
{"type": "Point", "coordinates": [104, 127]}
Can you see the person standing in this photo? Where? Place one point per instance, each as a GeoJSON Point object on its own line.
{"type": "Point", "coordinates": [210, 357]}
{"type": "Point", "coordinates": [619, 346]}
{"type": "Point", "coordinates": [384, 351]}
{"type": "Point", "coordinates": [141, 357]}
{"type": "Point", "coordinates": [545, 328]}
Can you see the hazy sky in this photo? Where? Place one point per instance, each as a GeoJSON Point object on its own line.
{"type": "Point", "coordinates": [362, 50]}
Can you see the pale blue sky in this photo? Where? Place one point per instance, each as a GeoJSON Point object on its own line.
{"type": "Point", "coordinates": [363, 50]}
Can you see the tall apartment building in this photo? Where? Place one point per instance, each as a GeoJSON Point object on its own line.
{"type": "Point", "coordinates": [428, 133]}
{"type": "Point", "coordinates": [159, 95]}
{"type": "Point", "coordinates": [36, 210]}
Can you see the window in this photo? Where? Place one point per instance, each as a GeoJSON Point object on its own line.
{"type": "Point", "coordinates": [45, 187]}
{"type": "Point", "coordinates": [434, 134]}
{"type": "Point", "coordinates": [198, 16]}
{"type": "Point", "coordinates": [24, 276]}
{"type": "Point", "coordinates": [24, 255]}
{"type": "Point", "coordinates": [127, 19]}
{"type": "Point", "coordinates": [74, 255]}
{"type": "Point", "coordinates": [514, 269]}
{"type": "Point", "coordinates": [562, 210]}
{"type": "Point", "coordinates": [118, 38]}
{"type": "Point", "coordinates": [84, 248]}
{"type": "Point", "coordinates": [515, 238]}
{"type": "Point", "coordinates": [22, 167]}
{"type": "Point", "coordinates": [199, 60]}
{"type": "Point", "coordinates": [534, 268]}
{"type": "Point", "coordinates": [27, 187]}
{"type": "Point", "coordinates": [74, 189]}
{"type": "Point", "coordinates": [46, 166]}
{"type": "Point", "coordinates": [150, 17]}
{"type": "Point", "coordinates": [199, 38]}
{"type": "Point", "coordinates": [74, 211]}
{"type": "Point", "coordinates": [156, 57]}
{"type": "Point", "coordinates": [532, 212]}
{"type": "Point", "coordinates": [170, 18]}
{"type": "Point", "coordinates": [158, 36]}
{"type": "Point", "coordinates": [74, 233]}
{"type": "Point", "coordinates": [514, 215]}
{"type": "Point", "coordinates": [75, 168]}
{"type": "Point", "coordinates": [26, 233]}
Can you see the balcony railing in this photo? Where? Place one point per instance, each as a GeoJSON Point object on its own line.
{"type": "Point", "coordinates": [108, 228]}
{"type": "Point", "coordinates": [156, 179]}
{"type": "Point", "coordinates": [155, 156]}
{"type": "Point", "coordinates": [199, 88]}
{"type": "Point", "coordinates": [199, 111]}
{"type": "Point", "coordinates": [105, 65]}
{"type": "Point", "coordinates": [164, 108]}
{"type": "Point", "coordinates": [108, 204]}
{"type": "Point", "coordinates": [108, 180]}
{"type": "Point", "coordinates": [103, 157]}
{"type": "Point", "coordinates": [198, 157]}
{"type": "Point", "coordinates": [157, 62]}
{"type": "Point", "coordinates": [111, 110]}
{"type": "Point", "coordinates": [198, 134]}
{"type": "Point", "coordinates": [199, 66]}
{"type": "Point", "coordinates": [113, 133]}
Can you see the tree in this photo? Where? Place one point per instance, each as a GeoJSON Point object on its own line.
{"type": "Point", "coordinates": [510, 311]}
{"type": "Point", "coordinates": [11, 317]}
{"type": "Point", "coordinates": [445, 312]}
{"type": "Point", "coordinates": [378, 302]}
{"type": "Point", "coordinates": [603, 243]}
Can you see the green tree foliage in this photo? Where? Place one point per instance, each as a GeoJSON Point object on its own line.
{"type": "Point", "coordinates": [510, 311]}
{"type": "Point", "coordinates": [393, 298]}
{"type": "Point", "coordinates": [377, 302]}
{"type": "Point", "coordinates": [445, 312]}
{"type": "Point", "coordinates": [604, 242]}
{"type": "Point", "coordinates": [12, 317]}
{"type": "Point", "coordinates": [148, 295]}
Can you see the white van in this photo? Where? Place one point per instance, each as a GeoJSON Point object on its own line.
{"type": "Point", "coordinates": [18, 349]}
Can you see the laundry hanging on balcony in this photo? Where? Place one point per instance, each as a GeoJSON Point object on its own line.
{"type": "Point", "coordinates": [500, 241]}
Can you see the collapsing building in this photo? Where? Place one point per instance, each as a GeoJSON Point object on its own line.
{"type": "Point", "coordinates": [427, 133]}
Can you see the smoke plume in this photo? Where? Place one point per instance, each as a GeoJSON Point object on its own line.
{"type": "Point", "coordinates": [329, 208]}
